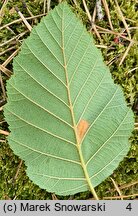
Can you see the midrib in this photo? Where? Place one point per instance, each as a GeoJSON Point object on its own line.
{"type": "Point", "coordinates": [73, 119]}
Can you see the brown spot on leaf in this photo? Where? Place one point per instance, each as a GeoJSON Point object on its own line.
{"type": "Point", "coordinates": [82, 128]}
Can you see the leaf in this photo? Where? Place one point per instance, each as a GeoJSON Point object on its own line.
{"type": "Point", "coordinates": [68, 120]}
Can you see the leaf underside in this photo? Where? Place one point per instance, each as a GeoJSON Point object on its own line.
{"type": "Point", "coordinates": [68, 120]}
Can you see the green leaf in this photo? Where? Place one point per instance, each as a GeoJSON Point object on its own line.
{"type": "Point", "coordinates": [68, 120]}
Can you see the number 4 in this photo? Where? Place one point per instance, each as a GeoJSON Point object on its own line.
{"type": "Point", "coordinates": [129, 207]}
